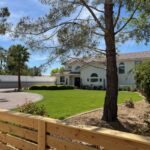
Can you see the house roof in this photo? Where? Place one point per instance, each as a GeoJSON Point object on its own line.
{"type": "Point", "coordinates": [120, 56]}
{"type": "Point", "coordinates": [67, 73]}
{"type": "Point", "coordinates": [136, 55]}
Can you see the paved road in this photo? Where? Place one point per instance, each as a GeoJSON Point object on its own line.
{"type": "Point", "coordinates": [10, 99]}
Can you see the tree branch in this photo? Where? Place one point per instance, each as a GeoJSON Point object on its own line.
{"type": "Point", "coordinates": [94, 16]}
{"type": "Point", "coordinates": [130, 18]}
{"type": "Point", "coordinates": [118, 15]}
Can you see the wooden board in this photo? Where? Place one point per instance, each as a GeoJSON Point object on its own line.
{"type": "Point", "coordinates": [110, 141]}
{"type": "Point", "coordinates": [6, 147]}
{"type": "Point", "coordinates": [21, 132]}
{"type": "Point", "coordinates": [17, 142]}
{"type": "Point", "coordinates": [66, 145]}
{"type": "Point", "coordinates": [19, 118]}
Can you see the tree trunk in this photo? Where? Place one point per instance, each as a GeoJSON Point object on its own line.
{"type": "Point", "coordinates": [110, 105]}
{"type": "Point", "coordinates": [19, 78]}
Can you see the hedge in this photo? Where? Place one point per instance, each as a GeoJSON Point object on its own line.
{"type": "Point", "coordinates": [51, 88]}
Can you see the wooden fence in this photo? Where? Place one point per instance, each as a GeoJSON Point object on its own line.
{"type": "Point", "coordinates": [25, 132]}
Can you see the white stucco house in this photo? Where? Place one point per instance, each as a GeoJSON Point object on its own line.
{"type": "Point", "coordinates": [92, 71]}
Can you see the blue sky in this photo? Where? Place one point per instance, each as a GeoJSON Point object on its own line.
{"type": "Point", "coordinates": [34, 9]}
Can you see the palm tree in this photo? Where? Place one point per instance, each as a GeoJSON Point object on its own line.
{"type": "Point", "coordinates": [18, 55]}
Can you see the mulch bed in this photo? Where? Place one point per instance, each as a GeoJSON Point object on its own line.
{"type": "Point", "coordinates": [134, 120]}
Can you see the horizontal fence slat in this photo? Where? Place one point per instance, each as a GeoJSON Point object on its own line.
{"type": "Point", "coordinates": [19, 118]}
{"type": "Point", "coordinates": [107, 140]}
{"type": "Point", "coordinates": [65, 145]}
{"type": "Point", "coordinates": [18, 131]}
{"type": "Point", "coordinates": [17, 142]}
{"type": "Point", "coordinates": [5, 147]}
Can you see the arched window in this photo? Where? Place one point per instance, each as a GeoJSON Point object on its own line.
{"type": "Point", "coordinates": [121, 68]}
{"type": "Point", "coordinates": [94, 75]}
{"type": "Point", "coordinates": [77, 68]}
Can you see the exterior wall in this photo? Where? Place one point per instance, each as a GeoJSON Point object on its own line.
{"type": "Point", "coordinates": [127, 79]}
{"type": "Point", "coordinates": [124, 80]}
{"type": "Point", "coordinates": [8, 81]}
{"type": "Point", "coordinates": [58, 80]}
{"type": "Point", "coordinates": [66, 82]}
{"type": "Point", "coordinates": [71, 80]}
{"type": "Point", "coordinates": [73, 66]}
{"type": "Point", "coordinates": [88, 70]}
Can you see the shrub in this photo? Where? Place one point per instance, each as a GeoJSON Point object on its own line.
{"type": "Point", "coordinates": [129, 103]}
{"type": "Point", "coordinates": [142, 77]}
{"type": "Point", "coordinates": [51, 88]}
{"type": "Point", "coordinates": [125, 88]}
{"type": "Point", "coordinates": [32, 108]}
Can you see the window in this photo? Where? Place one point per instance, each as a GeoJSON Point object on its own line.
{"type": "Point", "coordinates": [122, 68]}
{"type": "Point", "coordinates": [88, 80]}
{"type": "Point", "coordinates": [77, 68]}
{"type": "Point", "coordinates": [94, 79]}
{"type": "Point", "coordinates": [94, 75]}
{"type": "Point", "coordinates": [69, 67]}
{"type": "Point", "coordinates": [100, 80]}
{"type": "Point", "coordinates": [62, 79]}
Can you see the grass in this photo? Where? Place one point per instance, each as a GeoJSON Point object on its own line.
{"type": "Point", "coordinates": [64, 103]}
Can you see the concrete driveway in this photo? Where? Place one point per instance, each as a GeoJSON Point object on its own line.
{"type": "Point", "coordinates": [10, 99]}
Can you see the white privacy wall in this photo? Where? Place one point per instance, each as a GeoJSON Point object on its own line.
{"type": "Point", "coordinates": [10, 81]}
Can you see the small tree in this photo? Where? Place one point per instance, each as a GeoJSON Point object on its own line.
{"type": "Point", "coordinates": [17, 56]}
{"type": "Point", "coordinates": [142, 76]}
{"type": "Point", "coordinates": [57, 70]}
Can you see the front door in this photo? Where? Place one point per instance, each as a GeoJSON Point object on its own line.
{"type": "Point", "coordinates": [77, 82]}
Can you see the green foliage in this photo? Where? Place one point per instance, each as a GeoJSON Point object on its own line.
{"type": "Point", "coordinates": [57, 70]}
{"type": "Point", "coordinates": [142, 76]}
{"type": "Point", "coordinates": [17, 56]}
{"type": "Point", "coordinates": [4, 14]}
{"type": "Point", "coordinates": [78, 32]}
{"type": "Point", "coordinates": [34, 71]}
{"type": "Point", "coordinates": [9, 61]}
{"type": "Point", "coordinates": [33, 108]}
{"type": "Point", "coordinates": [51, 87]}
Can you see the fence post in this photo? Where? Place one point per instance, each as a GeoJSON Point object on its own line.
{"type": "Point", "coordinates": [41, 134]}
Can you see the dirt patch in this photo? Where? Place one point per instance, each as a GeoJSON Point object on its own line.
{"type": "Point", "coordinates": [134, 120]}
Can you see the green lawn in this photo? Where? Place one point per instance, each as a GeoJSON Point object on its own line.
{"type": "Point", "coordinates": [64, 103]}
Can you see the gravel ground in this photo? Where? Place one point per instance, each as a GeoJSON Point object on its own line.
{"type": "Point", "coordinates": [129, 119]}
{"type": "Point", "coordinates": [10, 99]}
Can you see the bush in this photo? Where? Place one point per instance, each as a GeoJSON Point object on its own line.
{"type": "Point", "coordinates": [89, 87]}
{"type": "Point", "coordinates": [32, 108]}
{"type": "Point", "coordinates": [125, 88]}
{"type": "Point", "coordinates": [129, 103]}
{"type": "Point", "coordinates": [142, 77]}
{"type": "Point", "coordinates": [51, 88]}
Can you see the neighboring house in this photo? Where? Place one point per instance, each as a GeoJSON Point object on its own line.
{"type": "Point", "coordinates": [91, 72]}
